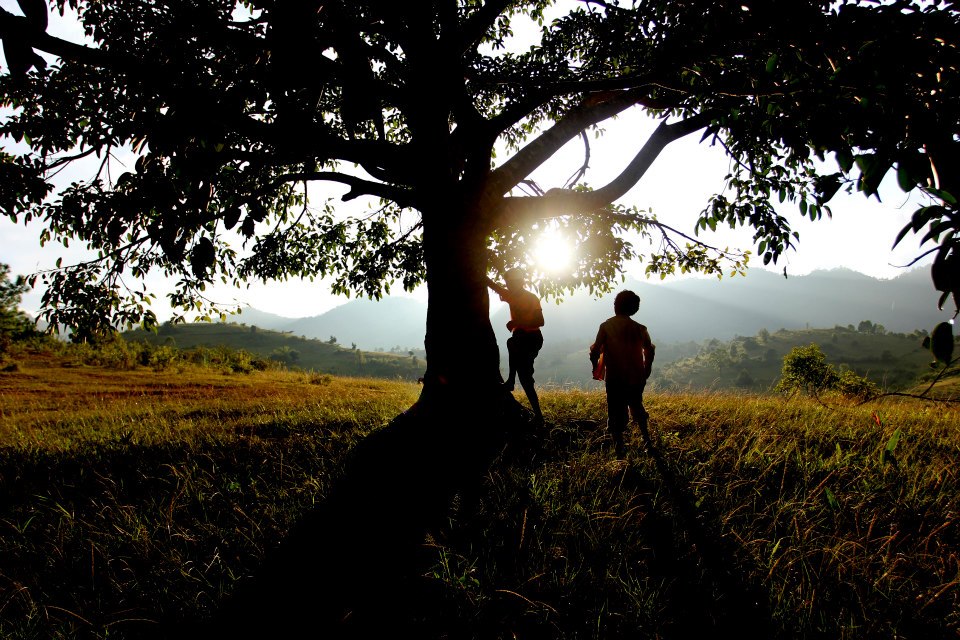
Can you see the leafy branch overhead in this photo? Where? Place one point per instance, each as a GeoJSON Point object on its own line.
{"type": "Point", "coordinates": [214, 132]}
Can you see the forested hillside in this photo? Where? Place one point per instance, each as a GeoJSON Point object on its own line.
{"type": "Point", "coordinates": [293, 351]}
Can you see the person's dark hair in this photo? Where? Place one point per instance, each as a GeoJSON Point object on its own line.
{"type": "Point", "coordinates": [626, 303]}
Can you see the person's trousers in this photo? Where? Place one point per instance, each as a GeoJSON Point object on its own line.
{"type": "Point", "coordinates": [621, 399]}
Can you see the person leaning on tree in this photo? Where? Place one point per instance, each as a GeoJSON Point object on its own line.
{"type": "Point", "coordinates": [622, 356]}
{"type": "Point", "coordinates": [526, 318]}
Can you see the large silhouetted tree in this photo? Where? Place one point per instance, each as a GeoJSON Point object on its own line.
{"type": "Point", "coordinates": [232, 112]}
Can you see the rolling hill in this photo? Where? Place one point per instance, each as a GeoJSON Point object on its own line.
{"type": "Point", "coordinates": [294, 351]}
{"type": "Point", "coordinates": [688, 319]}
{"type": "Point", "coordinates": [676, 312]}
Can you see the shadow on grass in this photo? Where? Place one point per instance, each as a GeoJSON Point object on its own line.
{"type": "Point", "coordinates": [353, 567]}
{"type": "Point", "coordinates": [712, 596]}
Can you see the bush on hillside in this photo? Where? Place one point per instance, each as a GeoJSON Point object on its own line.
{"type": "Point", "coordinates": [14, 324]}
{"type": "Point", "coordinates": [806, 369]}
{"type": "Point", "coordinates": [851, 385]}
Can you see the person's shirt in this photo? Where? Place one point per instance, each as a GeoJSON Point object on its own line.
{"type": "Point", "coordinates": [626, 348]}
{"type": "Point", "coordinates": [525, 311]}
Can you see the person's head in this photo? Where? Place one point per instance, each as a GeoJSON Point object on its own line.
{"type": "Point", "coordinates": [626, 303]}
{"type": "Point", "coordinates": [515, 278]}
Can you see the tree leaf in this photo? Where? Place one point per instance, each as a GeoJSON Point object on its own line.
{"type": "Point", "coordinates": [941, 343]}
{"type": "Point", "coordinates": [844, 160]}
{"type": "Point", "coordinates": [903, 232]}
{"type": "Point", "coordinates": [772, 63]}
{"type": "Point", "coordinates": [904, 180]}
{"type": "Point", "coordinates": [946, 196]}
{"type": "Point", "coordinates": [202, 257]}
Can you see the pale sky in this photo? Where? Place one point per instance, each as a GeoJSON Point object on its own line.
{"type": "Point", "coordinates": [676, 188]}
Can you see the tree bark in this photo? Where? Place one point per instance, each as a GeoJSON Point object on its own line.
{"type": "Point", "coordinates": [463, 359]}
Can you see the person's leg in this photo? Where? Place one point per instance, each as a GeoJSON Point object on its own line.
{"type": "Point", "coordinates": [617, 416]}
{"type": "Point", "coordinates": [512, 347]}
{"type": "Point", "coordinates": [531, 347]}
{"type": "Point", "coordinates": [531, 391]}
{"type": "Point", "coordinates": [638, 411]}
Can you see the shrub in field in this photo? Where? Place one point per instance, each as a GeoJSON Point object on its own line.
{"type": "Point", "coordinates": [117, 353]}
{"type": "Point", "coordinates": [806, 369]}
{"type": "Point", "coordinates": [233, 360]}
{"type": "Point", "coordinates": [160, 357]}
{"type": "Point", "coordinates": [851, 385]}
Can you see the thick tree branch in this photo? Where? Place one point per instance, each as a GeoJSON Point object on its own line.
{"type": "Point", "coordinates": [358, 186]}
{"type": "Point", "coordinates": [593, 110]}
{"type": "Point", "coordinates": [14, 26]}
{"type": "Point", "coordinates": [557, 202]}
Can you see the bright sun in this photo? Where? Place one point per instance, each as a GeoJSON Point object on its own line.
{"type": "Point", "coordinates": [553, 252]}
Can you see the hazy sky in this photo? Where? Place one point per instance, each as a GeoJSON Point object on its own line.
{"type": "Point", "coordinates": [676, 189]}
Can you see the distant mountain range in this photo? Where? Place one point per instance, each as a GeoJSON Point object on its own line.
{"type": "Point", "coordinates": [678, 311]}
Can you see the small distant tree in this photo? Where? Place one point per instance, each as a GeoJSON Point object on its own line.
{"type": "Point", "coordinates": [744, 379]}
{"type": "Point", "coordinates": [806, 369]}
{"type": "Point", "coordinates": [720, 358]}
{"type": "Point", "coordinates": [14, 324]}
{"type": "Point", "coordinates": [332, 340]}
{"type": "Point", "coordinates": [865, 326]}
{"type": "Point", "coordinates": [286, 355]}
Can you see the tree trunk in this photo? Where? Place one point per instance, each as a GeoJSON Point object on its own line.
{"type": "Point", "coordinates": [463, 359]}
{"type": "Point", "coordinates": [355, 566]}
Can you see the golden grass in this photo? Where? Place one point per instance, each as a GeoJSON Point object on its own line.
{"type": "Point", "coordinates": [52, 407]}
{"type": "Point", "coordinates": [824, 521]}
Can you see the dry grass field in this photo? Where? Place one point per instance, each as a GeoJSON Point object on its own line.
{"type": "Point", "coordinates": [138, 499]}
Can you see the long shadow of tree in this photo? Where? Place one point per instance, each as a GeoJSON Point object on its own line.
{"type": "Point", "coordinates": [353, 567]}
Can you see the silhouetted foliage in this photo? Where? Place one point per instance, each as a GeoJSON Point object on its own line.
{"type": "Point", "coordinates": [406, 103]}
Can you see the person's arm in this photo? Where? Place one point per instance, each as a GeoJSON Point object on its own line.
{"type": "Point", "coordinates": [496, 286]}
{"type": "Point", "coordinates": [597, 347]}
{"type": "Point", "coordinates": [649, 350]}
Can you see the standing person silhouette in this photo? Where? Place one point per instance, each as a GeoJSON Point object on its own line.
{"type": "Point", "coordinates": [622, 356]}
{"type": "Point", "coordinates": [526, 318]}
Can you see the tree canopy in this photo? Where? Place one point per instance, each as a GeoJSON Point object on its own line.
{"type": "Point", "coordinates": [234, 110]}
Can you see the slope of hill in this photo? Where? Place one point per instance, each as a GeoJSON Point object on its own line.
{"type": "Point", "coordinates": [676, 312]}
{"type": "Point", "coordinates": [893, 361]}
{"type": "Point", "coordinates": [370, 324]}
{"type": "Point", "coordinates": [292, 350]}
{"type": "Point", "coordinates": [681, 315]}
{"type": "Point", "coordinates": [702, 309]}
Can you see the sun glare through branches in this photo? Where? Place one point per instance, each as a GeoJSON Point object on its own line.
{"type": "Point", "coordinates": [554, 254]}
